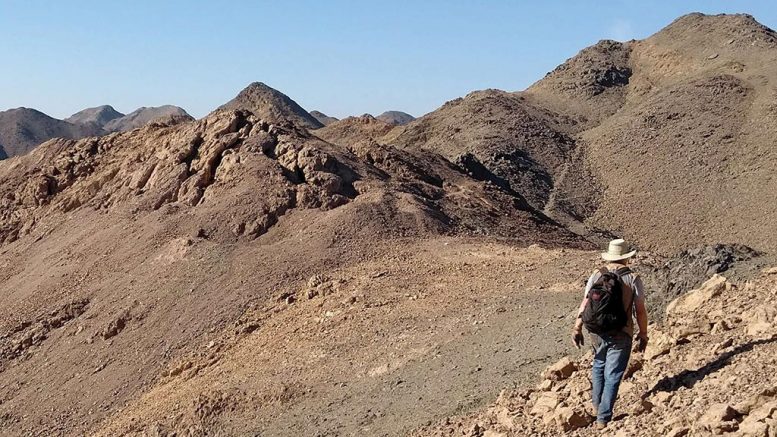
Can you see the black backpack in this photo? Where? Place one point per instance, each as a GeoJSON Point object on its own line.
{"type": "Point", "coordinates": [604, 311]}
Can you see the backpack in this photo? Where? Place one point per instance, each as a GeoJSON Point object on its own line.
{"type": "Point", "coordinates": [604, 311]}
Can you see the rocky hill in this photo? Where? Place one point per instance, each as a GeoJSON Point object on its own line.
{"type": "Point", "coordinates": [323, 118]}
{"type": "Point", "coordinates": [272, 106]}
{"type": "Point", "coordinates": [620, 134]}
{"type": "Point", "coordinates": [695, 126]}
{"type": "Point", "coordinates": [397, 118]}
{"type": "Point", "coordinates": [145, 115]}
{"type": "Point", "coordinates": [98, 116]}
{"type": "Point", "coordinates": [22, 129]}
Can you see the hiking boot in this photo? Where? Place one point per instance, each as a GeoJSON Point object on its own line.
{"type": "Point", "coordinates": [600, 425]}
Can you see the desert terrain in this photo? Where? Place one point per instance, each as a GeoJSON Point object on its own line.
{"type": "Point", "coordinates": [269, 271]}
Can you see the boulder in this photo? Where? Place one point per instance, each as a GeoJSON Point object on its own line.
{"type": "Point", "coordinates": [691, 327]}
{"type": "Point", "coordinates": [546, 402]}
{"type": "Point", "coordinates": [680, 431]}
{"type": "Point", "coordinates": [661, 398]}
{"type": "Point", "coordinates": [764, 412]}
{"type": "Point", "coordinates": [635, 364]}
{"type": "Point", "coordinates": [561, 370]}
{"type": "Point", "coordinates": [660, 344]}
{"type": "Point", "coordinates": [760, 320]}
{"type": "Point", "coordinates": [694, 299]}
{"type": "Point", "coordinates": [545, 385]}
{"type": "Point", "coordinates": [502, 417]}
{"type": "Point", "coordinates": [755, 401]}
{"type": "Point", "coordinates": [568, 418]}
{"type": "Point", "coordinates": [716, 417]}
{"type": "Point", "coordinates": [753, 428]}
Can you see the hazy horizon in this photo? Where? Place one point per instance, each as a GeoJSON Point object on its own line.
{"type": "Point", "coordinates": [339, 58]}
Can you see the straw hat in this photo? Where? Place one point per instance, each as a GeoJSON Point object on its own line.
{"type": "Point", "coordinates": [618, 250]}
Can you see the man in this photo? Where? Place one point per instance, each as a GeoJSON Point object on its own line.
{"type": "Point", "coordinates": [611, 336]}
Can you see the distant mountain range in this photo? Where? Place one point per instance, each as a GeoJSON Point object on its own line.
{"type": "Point", "coordinates": [22, 129]}
{"type": "Point", "coordinates": [396, 118]}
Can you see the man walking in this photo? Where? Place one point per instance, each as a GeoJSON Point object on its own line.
{"type": "Point", "coordinates": [612, 296]}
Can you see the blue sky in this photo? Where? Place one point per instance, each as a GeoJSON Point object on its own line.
{"type": "Point", "coordinates": [340, 57]}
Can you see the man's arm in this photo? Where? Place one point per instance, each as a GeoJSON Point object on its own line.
{"type": "Point", "coordinates": [577, 331]}
{"type": "Point", "coordinates": [640, 308]}
{"type": "Point", "coordinates": [642, 317]}
{"type": "Point", "coordinates": [579, 318]}
{"type": "Point", "coordinates": [641, 311]}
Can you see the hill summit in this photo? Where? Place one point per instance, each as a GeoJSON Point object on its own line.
{"type": "Point", "coordinates": [98, 116]}
{"type": "Point", "coordinates": [272, 105]}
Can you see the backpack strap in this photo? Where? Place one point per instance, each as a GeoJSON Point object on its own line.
{"type": "Point", "coordinates": [622, 271]}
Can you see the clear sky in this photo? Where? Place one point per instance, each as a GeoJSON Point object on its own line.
{"type": "Point", "coordinates": [340, 57]}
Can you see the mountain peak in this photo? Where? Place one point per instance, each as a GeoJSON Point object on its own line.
{"type": "Point", "coordinates": [323, 118]}
{"type": "Point", "coordinates": [272, 105]}
{"type": "Point", "coordinates": [99, 115]}
{"type": "Point", "coordinates": [725, 30]}
{"type": "Point", "coordinates": [397, 118]}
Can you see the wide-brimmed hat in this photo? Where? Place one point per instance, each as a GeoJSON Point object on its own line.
{"type": "Point", "coordinates": [618, 250]}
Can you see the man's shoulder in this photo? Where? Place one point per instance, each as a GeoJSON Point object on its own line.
{"type": "Point", "coordinates": [634, 275]}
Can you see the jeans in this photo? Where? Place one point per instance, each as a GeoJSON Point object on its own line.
{"type": "Point", "coordinates": [611, 356]}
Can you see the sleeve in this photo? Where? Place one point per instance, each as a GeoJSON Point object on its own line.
{"type": "Point", "coordinates": [590, 283]}
{"type": "Point", "coordinates": [639, 289]}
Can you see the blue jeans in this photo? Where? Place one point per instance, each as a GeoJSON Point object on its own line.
{"type": "Point", "coordinates": [611, 356]}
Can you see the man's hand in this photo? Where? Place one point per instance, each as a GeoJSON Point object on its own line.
{"type": "Point", "coordinates": [642, 342]}
{"type": "Point", "coordinates": [577, 338]}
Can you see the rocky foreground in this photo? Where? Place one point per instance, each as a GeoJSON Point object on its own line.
{"type": "Point", "coordinates": [709, 370]}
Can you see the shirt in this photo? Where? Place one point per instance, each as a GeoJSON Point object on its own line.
{"type": "Point", "coordinates": [633, 292]}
